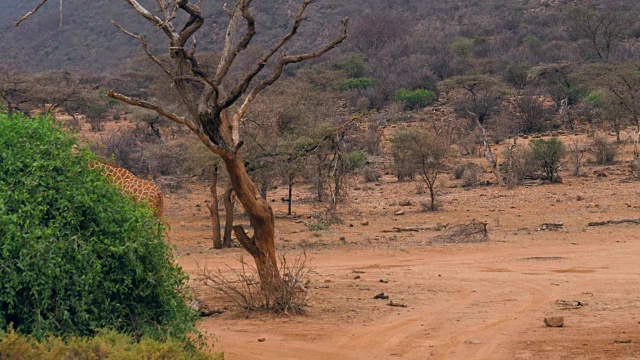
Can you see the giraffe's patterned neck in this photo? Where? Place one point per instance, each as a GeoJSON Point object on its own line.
{"type": "Point", "coordinates": [141, 190]}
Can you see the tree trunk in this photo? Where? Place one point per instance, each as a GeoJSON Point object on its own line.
{"type": "Point", "coordinates": [291, 178]}
{"type": "Point", "coordinates": [262, 245]}
{"type": "Point", "coordinates": [433, 197]}
{"type": "Point", "coordinates": [228, 218]}
{"type": "Point", "coordinates": [488, 154]}
{"type": "Point", "coordinates": [319, 184]}
{"type": "Point", "coordinates": [213, 207]}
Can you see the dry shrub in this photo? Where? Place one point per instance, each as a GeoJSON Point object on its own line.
{"type": "Point", "coordinates": [370, 174]}
{"type": "Point", "coordinates": [243, 287]}
{"type": "Point", "coordinates": [473, 232]}
{"type": "Point", "coordinates": [518, 165]}
{"type": "Point", "coordinates": [469, 172]}
{"type": "Point", "coordinates": [603, 150]}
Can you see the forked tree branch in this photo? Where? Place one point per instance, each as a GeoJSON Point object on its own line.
{"type": "Point", "coordinates": [284, 61]}
{"type": "Point", "coordinates": [241, 87]}
{"type": "Point", "coordinates": [28, 15]}
{"type": "Point", "coordinates": [146, 47]}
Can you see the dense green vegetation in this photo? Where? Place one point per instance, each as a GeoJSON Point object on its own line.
{"type": "Point", "coordinates": [75, 254]}
{"type": "Point", "coordinates": [105, 345]}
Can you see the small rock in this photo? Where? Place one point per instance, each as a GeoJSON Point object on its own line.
{"type": "Point", "coordinates": [399, 212]}
{"type": "Point", "coordinates": [262, 340]}
{"type": "Point", "coordinates": [579, 198]}
{"type": "Point", "coordinates": [343, 239]}
{"type": "Point", "coordinates": [327, 281]}
{"type": "Point", "coordinates": [473, 342]}
{"type": "Point", "coordinates": [384, 281]}
{"type": "Point", "coordinates": [405, 202]}
{"type": "Point", "coordinates": [381, 296]}
{"type": "Point", "coordinates": [356, 277]}
{"type": "Point", "coordinates": [396, 304]}
{"type": "Point", "coordinates": [556, 321]}
{"type": "Point", "coordinates": [364, 222]}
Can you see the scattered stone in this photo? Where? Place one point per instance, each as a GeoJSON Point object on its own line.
{"type": "Point", "coordinates": [381, 296]}
{"type": "Point", "coordinates": [570, 304]}
{"type": "Point", "coordinates": [551, 226]}
{"type": "Point", "coordinates": [600, 174]}
{"type": "Point", "coordinates": [399, 212]}
{"type": "Point", "coordinates": [556, 321]}
{"type": "Point", "coordinates": [384, 281]}
{"type": "Point", "coordinates": [473, 342]}
{"type": "Point", "coordinates": [356, 277]}
{"type": "Point", "coordinates": [262, 340]}
{"type": "Point", "coordinates": [343, 239]}
{"type": "Point", "coordinates": [327, 281]}
{"type": "Point", "coordinates": [365, 222]}
{"type": "Point", "coordinates": [579, 198]}
{"type": "Point", "coordinates": [396, 304]}
{"type": "Point", "coordinates": [405, 202]}
{"type": "Point", "coordinates": [358, 272]}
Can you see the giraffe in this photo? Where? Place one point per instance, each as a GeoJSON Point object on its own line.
{"type": "Point", "coordinates": [139, 189]}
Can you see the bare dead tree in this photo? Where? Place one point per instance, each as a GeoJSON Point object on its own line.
{"type": "Point", "coordinates": [229, 206]}
{"type": "Point", "coordinates": [212, 205]}
{"type": "Point", "coordinates": [216, 102]}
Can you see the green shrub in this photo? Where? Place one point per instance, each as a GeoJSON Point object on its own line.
{"type": "Point", "coordinates": [75, 254]}
{"type": "Point", "coordinates": [355, 66]}
{"type": "Point", "coordinates": [355, 160]}
{"type": "Point", "coordinates": [106, 345]}
{"type": "Point", "coordinates": [355, 83]}
{"type": "Point", "coordinates": [415, 99]}
{"type": "Point", "coordinates": [547, 155]}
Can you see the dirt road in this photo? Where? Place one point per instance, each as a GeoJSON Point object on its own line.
{"type": "Point", "coordinates": [481, 301]}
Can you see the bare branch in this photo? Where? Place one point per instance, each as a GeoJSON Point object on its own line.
{"type": "Point", "coordinates": [157, 108]}
{"type": "Point", "coordinates": [164, 25]}
{"type": "Point", "coordinates": [284, 61]}
{"type": "Point", "coordinates": [246, 81]}
{"type": "Point", "coordinates": [28, 15]}
{"type": "Point", "coordinates": [228, 55]}
{"type": "Point", "coordinates": [194, 23]}
{"type": "Point", "coordinates": [145, 46]}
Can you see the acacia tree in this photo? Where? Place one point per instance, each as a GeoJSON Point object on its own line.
{"type": "Point", "coordinates": [479, 100]}
{"type": "Point", "coordinates": [215, 100]}
{"type": "Point", "coordinates": [603, 30]}
{"type": "Point", "coordinates": [427, 155]}
{"type": "Point", "coordinates": [620, 82]}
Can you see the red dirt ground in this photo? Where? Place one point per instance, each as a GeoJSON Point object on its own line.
{"type": "Point", "coordinates": [471, 301]}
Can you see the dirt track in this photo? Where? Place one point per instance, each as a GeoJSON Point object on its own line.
{"type": "Point", "coordinates": [472, 302]}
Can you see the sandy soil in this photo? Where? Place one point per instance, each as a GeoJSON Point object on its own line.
{"type": "Point", "coordinates": [471, 301]}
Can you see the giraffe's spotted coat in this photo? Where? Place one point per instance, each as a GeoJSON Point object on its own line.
{"type": "Point", "coordinates": [139, 189]}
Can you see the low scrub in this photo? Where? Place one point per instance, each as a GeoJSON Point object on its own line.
{"type": "Point", "coordinates": [603, 150]}
{"type": "Point", "coordinates": [105, 345]}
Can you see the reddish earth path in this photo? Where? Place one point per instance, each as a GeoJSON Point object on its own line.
{"type": "Point", "coordinates": [484, 301]}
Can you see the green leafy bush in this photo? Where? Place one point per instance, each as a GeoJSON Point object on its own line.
{"type": "Point", "coordinates": [75, 254]}
{"type": "Point", "coordinates": [106, 345]}
{"type": "Point", "coordinates": [355, 83]}
{"type": "Point", "coordinates": [355, 160]}
{"type": "Point", "coordinates": [547, 155]}
{"type": "Point", "coordinates": [415, 99]}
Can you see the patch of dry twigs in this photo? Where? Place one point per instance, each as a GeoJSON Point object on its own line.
{"type": "Point", "coordinates": [242, 285]}
{"type": "Point", "coordinates": [473, 232]}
